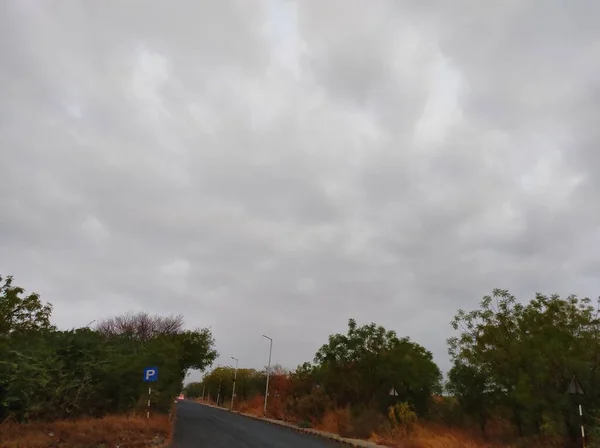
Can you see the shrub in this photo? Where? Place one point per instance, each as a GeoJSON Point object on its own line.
{"type": "Point", "coordinates": [402, 417]}
{"type": "Point", "coordinates": [311, 407]}
{"type": "Point", "coordinates": [337, 421]}
{"type": "Point", "coordinates": [365, 422]}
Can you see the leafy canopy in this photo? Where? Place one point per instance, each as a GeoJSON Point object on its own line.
{"type": "Point", "coordinates": [20, 312]}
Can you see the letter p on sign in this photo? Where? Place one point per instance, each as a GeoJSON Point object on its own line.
{"type": "Point", "coordinates": [150, 374]}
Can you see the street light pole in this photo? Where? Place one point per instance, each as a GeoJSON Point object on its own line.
{"type": "Point", "coordinates": [234, 378]}
{"type": "Point", "coordinates": [268, 373]}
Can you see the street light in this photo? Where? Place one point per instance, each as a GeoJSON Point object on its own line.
{"type": "Point", "coordinates": [268, 373]}
{"type": "Point", "coordinates": [219, 389]}
{"type": "Point", "coordinates": [234, 378]}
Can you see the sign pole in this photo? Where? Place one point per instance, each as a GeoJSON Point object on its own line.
{"type": "Point", "coordinates": [582, 429]}
{"type": "Point", "coordinates": [576, 390]}
{"type": "Point", "coordinates": [150, 376]}
{"type": "Point", "coordinates": [268, 374]}
{"type": "Point", "coordinates": [234, 378]}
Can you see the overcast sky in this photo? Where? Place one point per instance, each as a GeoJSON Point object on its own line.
{"type": "Point", "coordinates": [278, 167]}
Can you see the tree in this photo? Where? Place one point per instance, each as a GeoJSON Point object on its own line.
{"type": "Point", "coordinates": [20, 312]}
{"type": "Point", "coordinates": [363, 365]}
{"type": "Point", "coordinates": [198, 349]}
{"type": "Point", "coordinates": [470, 386]}
{"type": "Point", "coordinates": [520, 358]}
{"type": "Point", "coordinates": [304, 379]}
{"type": "Point", "coordinates": [20, 315]}
{"type": "Point", "coordinates": [160, 341]}
{"type": "Point", "coordinates": [141, 326]}
{"type": "Point", "coordinates": [194, 390]}
{"type": "Point", "coordinates": [249, 383]}
{"type": "Point", "coordinates": [46, 374]}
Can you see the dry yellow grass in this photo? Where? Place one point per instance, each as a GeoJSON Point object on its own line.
{"type": "Point", "coordinates": [124, 431]}
{"type": "Point", "coordinates": [434, 437]}
{"type": "Point", "coordinates": [338, 421]}
{"type": "Point", "coordinates": [251, 407]}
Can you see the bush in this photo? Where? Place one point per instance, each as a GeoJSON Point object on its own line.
{"type": "Point", "coordinates": [337, 421]}
{"type": "Point", "coordinates": [402, 418]}
{"type": "Point", "coordinates": [123, 431]}
{"type": "Point", "coordinates": [445, 410]}
{"type": "Point", "coordinates": [311, 407]}
{"type": "Point", "coordinates": [46, 374]}
{"type": "Point", "coordinates": [365, 422]}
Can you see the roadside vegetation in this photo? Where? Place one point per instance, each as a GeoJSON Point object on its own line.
{"type": "Point", "coordinates": [512, 364]}
{"type": "Point", "coordinates": [86, 382]}
{"type": "Point", "coordinates": [110, 431]}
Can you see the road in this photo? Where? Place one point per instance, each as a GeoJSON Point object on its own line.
{"type": "Point", "coordinates": [200, 426]}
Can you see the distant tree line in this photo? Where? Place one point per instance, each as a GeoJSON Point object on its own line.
{"type": "Point", "coordinates": [48, 374]}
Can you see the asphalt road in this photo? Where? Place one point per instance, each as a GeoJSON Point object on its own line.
{"type": "Point", "coordinates": [200, 426]}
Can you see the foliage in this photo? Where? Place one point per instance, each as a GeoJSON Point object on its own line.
{"type": "Point", "coordinates": [193, 390]}
{"type": "Point", "coordinates": [517, 360]}
{"type": "Point", "coordinates": [362, 366]}
{"type": "Point", "coordinates": [402, 417]}
{"type": "Point", "coordinates": [401, 414]}
{"type": "Point", "coordinates": [46, 374]}
{"type": "Point", "coordinates": [111, 431]}
{"type": "Point", "coordinates": [219, 383]}
{"type": "Point", "coordinates": [309, 407]}
{"type": "Point", "coordinates": [512, 363]}
{"type": "Point", "coordinates": [140, 326]}
{"type": "Point", "coordinates": [19, 312]}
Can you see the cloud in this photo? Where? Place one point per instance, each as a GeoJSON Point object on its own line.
{"type": "Point", "coordinates": [280, 167]}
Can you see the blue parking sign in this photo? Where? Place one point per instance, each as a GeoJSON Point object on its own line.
{"type": "Point", "coordinates": [150, 374]}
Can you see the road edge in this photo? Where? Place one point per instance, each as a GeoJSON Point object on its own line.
{"type": "Point", "coordinates": [173, 422]}
{"type": "Point", "coordinates": [315, 432]}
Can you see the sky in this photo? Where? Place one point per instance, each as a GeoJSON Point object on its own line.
{"type": "Point", "coordinates": [278, 167]}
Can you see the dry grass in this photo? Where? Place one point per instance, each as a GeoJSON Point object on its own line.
{"type": "Point", "coordinates": [336, 421]}
{"type": "Point", "coordinates": [434, 437]}
{"type": "Point", "coordinates": [339, 421]}
{"type": "Point", "coordinates": [254, 406]}
{"type": "Point", "coordinates": [112, 431]}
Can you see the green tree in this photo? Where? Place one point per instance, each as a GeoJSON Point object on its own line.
{"type": "Point", "coordinates": [362, 366]}
{"type": "Point", "coordinates": [21, 312]}
{"type": "Point", "coordinates": [198, 349]}
{"type": "Point", "coordinates": [219, 381]}
{"type": "Point", "coordinates": [194, 390]}
{"type": "Point", "coordinates": [158, 341]}
{"type": "Point", "coordinates": [21, 315]}
{"type": "Point", "coordinates": [47, 374]}
{"type": "Point", "coordinates": [520, 358]}
{"type": "Point", "coordinates": [471, 388]}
